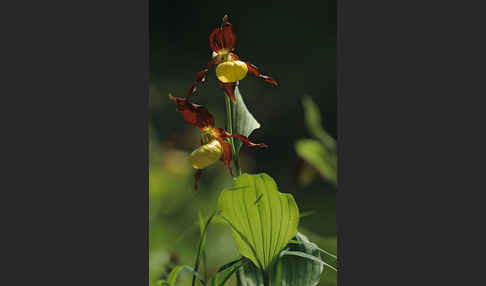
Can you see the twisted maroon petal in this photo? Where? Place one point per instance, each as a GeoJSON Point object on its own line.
{"type": "Point", "coordinates": [194, 114]}
{"type": "Point", "coordinates": [197, 175]}
{"type": "Point", "coordinates": [200, 77]}
{"type": "Point", "coordinates": [254, 71]}
{"type": "Point", "coordinates": [221, 133]}
{"type": "Point", "coordinates": [247, 142]}
{"type": "Point", "coordinates": [227, 155]}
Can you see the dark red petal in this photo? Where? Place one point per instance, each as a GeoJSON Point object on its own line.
{"type": "Point", "coordinates": [229, 89]}
{"type": "Point", "coordinates": [221, 133]}
{"type": "Point", "coordinates": [247, 142]}
{"type": "Point", "coordinates": [197, 175]}
{"type": "Point", "coordinates": [223, 38]}
{"type": "Point", "coordinates": [226, 157]}
{"type": "Point", "coordinates": [254, 70]}
{"type": "Point", "coordinates": [215, 41]}
{"type": "Point", "coordinates": [194, 114]}
{"type": "Point", "coordinates": [200, 77]}
{"type": "Point", "coordinates": [229, 38]}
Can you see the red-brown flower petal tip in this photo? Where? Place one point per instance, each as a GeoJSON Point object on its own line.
{"type": "Point", "coordinates": [247, 142]}
{"type": "Point", "coordinates": [194, 114]}
{"type": "Point", "coordinates": [229, 89]}
{"type": "Point", "coordinates": [223, 38]}
{"type": "Point", "coordinates": [254, 71]}
{"type": "Point", "coordinates": [200, 77]}
{"type": "Point", "coordinates": [221, 133]}
{"type": "Point", "coordinates": [197, 175]}
{"type": "Point", "coordinates": [226, 157]}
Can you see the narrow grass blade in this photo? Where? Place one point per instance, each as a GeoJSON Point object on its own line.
{"type": "Point", "coordinates": [177, 270]}
{"type": "Point", "coordinates": [202, 243]}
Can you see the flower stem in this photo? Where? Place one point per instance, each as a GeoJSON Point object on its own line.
{"type": "Point", "coordinates": [229, 123]}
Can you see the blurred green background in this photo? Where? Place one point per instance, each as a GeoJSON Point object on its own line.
{"type": "Point", "coordinates": [295, 43]}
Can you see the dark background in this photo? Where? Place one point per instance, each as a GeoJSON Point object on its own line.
{"type": "Point", "coordinates": [296, 45]}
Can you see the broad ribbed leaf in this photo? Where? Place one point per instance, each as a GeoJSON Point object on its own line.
{"type": "Point", "coordinates": [260, 216]}
{"type": "Point", "coordinates": [243, 121]}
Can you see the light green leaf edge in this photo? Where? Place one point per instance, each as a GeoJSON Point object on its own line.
{"type": "Point", "coordinates": [267, 225]}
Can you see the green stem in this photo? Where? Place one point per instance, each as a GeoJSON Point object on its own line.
{"type": "Point", "coordinates": [229, 123]}
{"type": "Point", "coordinates": [266, 278]}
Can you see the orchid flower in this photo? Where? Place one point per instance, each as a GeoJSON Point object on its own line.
{"type": "Point", "coordinates": [229, 68]}
{"type": "Point", "coordinates": [213, 145]}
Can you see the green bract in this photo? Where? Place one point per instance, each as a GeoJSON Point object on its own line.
{"type": "Point", "coordinates": [244, 121]}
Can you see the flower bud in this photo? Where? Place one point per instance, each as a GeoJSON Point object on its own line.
{"type": "Point", "coordinates": [206, 155]}
{"type": "Point", "coordinates": [231, 71]}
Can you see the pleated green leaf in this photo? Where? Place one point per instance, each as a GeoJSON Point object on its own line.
{"type": "Point", "coordinates": [263, 220]}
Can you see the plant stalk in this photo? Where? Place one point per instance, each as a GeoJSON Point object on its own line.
{"type": "Point", "coordinates": [229, 124]}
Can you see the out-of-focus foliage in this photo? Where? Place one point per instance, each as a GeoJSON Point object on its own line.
{"type": "Point", "coordinates": [263, 219]}
{"type": "Point", "coordinates": [321, 152]}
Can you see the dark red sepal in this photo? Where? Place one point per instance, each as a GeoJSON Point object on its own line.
{"type": "Point", "coordinates": [221, 133]}
{"type": "Point", "coordinates": [229, 89]}
{"type": "Point", "coordinates": [194, 114]}
{"type": "Point", "coordinates": [197, 175]}
{"type": "Point", "coordinates": [223, 37]}
{"type": "Point", "coordinates": [227, 155]}
{"type": "Point", "coordinates": [200, 77]}
{"type": "Point", "coordinates": [254, 71]}
{"type": "Point", "coordinates": [247, 142]}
